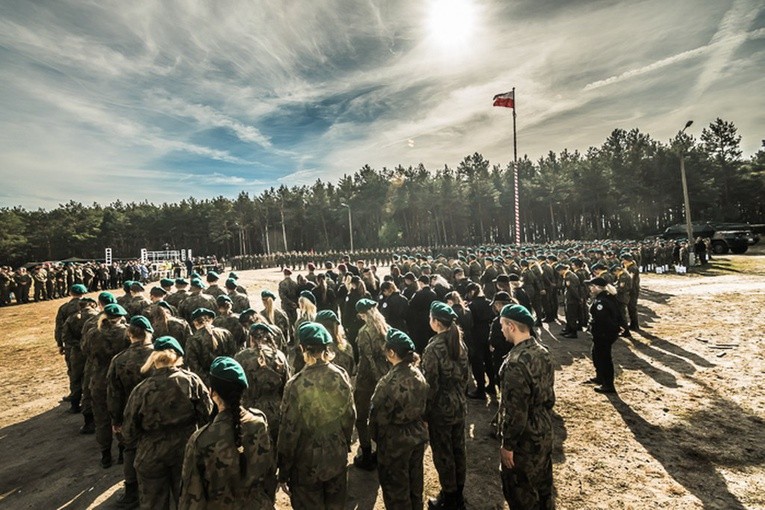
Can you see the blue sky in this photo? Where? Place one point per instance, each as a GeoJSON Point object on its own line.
{"type": "Point", "coordinates": [162, 100]}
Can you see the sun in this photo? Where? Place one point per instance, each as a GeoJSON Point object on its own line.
{"type": "Point", "coordinates": [450, 23]}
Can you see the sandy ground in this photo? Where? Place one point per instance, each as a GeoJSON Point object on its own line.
{"type": "Point", "coordinates": [687, 429]}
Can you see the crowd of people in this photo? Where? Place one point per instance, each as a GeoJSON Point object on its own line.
{"type": "Point", "coordinates": [214, 404]}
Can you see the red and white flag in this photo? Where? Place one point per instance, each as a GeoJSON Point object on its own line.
{"type": "Point", "coordinates": [507, 99]}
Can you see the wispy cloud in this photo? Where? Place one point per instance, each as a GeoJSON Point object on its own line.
{"type": "Point", "coordinates": [203, 98]}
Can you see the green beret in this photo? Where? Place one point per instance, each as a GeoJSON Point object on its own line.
{"type": "Point", "coordinates": [79, 289]}
{"type": "Point", "coordinates": [212, 276]}
{"type": "Point", "coordinates": [115, 310]}
{"type": "Point", "coordinates": [136, 286]}
{"type": "Point", "coordinates": [398, 339]}
{"type": "Point", "coordinates": [202, 312]}
{"type": "Point", "coordinates": [106, 298]}
{"type": "Point", "coordinates": [517, 313]}
{"type": "Point", "coordinates": [181, 281]}
{"type": "Point", "coordinates": [228, 369]}
{"type": "Point", "coordinates": [364, 305]}
{"type": "Point", "coordinates": [247, 312]}
{"type": "Point", "coordinates": [166, 282]}
{"type": "Point", "coordinates": [126, 284]}
{"type": "Point", "coordinates": [87, 300]}
{"type": "Point", "coordinates": [195, 275]}
{"type": "Point", "coordinates": [164, 304]}
{"type": "Point", "coordinates": [231, 283]}
{"type": "Point", "coordinates": [267, 293]}
{"type": "Point", "coordinates": [223, 299]}
{"type": "Point", "coordinates": [308, 295]}
{"type": "Point", "coordinates": [196, 282]}
{"type": "Point", "coordinates": [261, 326]}
{"type": "Point", "coordinates": [141, 322]}
{"type": "Point", "coordinates": [313, 333]}
{"type": "Point", "coordinates": [327, 316]}
{"type": "Point", "coordinates": [442, 311]}
{"type": "Point", "coordinates": [232, 275]}
{"type": "Point", "coordinates": [164, 343]}
{"type": "Point", "coordinates": [158, 291]}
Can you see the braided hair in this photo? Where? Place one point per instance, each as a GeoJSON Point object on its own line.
{"type": "Point", "coordinates": [231, 394]}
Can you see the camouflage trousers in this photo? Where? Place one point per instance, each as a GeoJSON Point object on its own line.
{"type": "Point", "coordinates": [363, 399]}
{"type": "Point", "coordinates": [447, 442]}
{"type": "Point", "coordinates": [75, 371]}
{"type": "Point", "coordinates": [401, 479]}
{"type": "Point", "coordinates": [528, 486]}
{"type": "Point", "coordinates": [87, 401]}
{"type": "Point", "coordinates": [329, 495]}
{"type": "Point", "coordinates": [102, 418]}
{"type": "Point", "coordinates": [159, 486]}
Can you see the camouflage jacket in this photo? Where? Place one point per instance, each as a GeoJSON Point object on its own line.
{"type": "Point", "coordinates": [267, 373]}
{"type": "Point", "coordinates": [211, 477]}
{"type": "Point", "coordinates": [396, 418]}
{"type": "Point", "coordinates": [204, 346]}
{"type": "Point", "coordinates": [174, 327]}
{"type": "Point", "coordinates": [71, 334]}
{"type": "Point", "coordinates": [317, 422]}
{"type": "Point", "coordinates": [623, 286]}
{"type": "Point", "coordinates": [194, 301]}
{"type": "Point", "coordinates": [288, 294]}
{"type": "Point", "coordinates": [123, 375]}
{"type": "Point", "coordinates": [240, 302]}
{"type": "Point", "coordinates": [527, 377]}
{"type": "Point", "coordinates": [214, 291]}
{"type": "Point", "coordinates": [176, 298]}
{"type": "Point", "coordinates": [447, 379]}
{"type": "Point", "coordinates": [372, 362]}
{"type": "Point", "coordinates": [136, 305]}
{"type": "Point", "coordinates": [344, 358]}
{"type": "Point", "coordinates": [231, 324]}
{"type": "Point", "coordinates": [161, 414]}
{"type": "Point", "coordinates": [64, 312]}
{"type": "Point", "coordinates": [282, 322]}
{"type": "Point", "coordinates": [101, 346]}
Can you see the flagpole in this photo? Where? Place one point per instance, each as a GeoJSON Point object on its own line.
{"type": "Point", "coordinates": [515, 175]}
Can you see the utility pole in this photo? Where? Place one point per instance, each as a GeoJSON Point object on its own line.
{"type": "Point", "coordinates": [350, 224]}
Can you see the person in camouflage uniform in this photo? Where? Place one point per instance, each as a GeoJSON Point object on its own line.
{"type": "Point", "coordinates": [228, 320]}
{"type": "Point", "coordinates": [372, 366]}
{"type": "Point", "coordinates": [71, 337]}
{"type": "Point", "coordinates": [445, 367]}
{"type": "Point", "coordinates": [212, 285]}
{"type": "Point", "coordinates": [631, 267]}
{"type": "Point", "coordinates": [573, 300]}
{"type": "Point", "coordinates": [165, 324]}
{"type": "Point", "coordinates": [527, 379]}
{"type": "Point", "coordinates": [137, 302]}
{"type": "Point", "coordinates": [239, 301]}
{"type": "Point", "coordinates": [623, 286]}
{"type": "Point", "coordinates": [103, 342]}
{"type": "Point", "coordinates": [162, 412]}
{"type": "Point", "coordinates": [288, 294]}
{"type": "Point", "coordinates": [207, 343]}
{"type": "Point", "coordinates": [273, 315]}
{"type": "Point", "coordinates": [397, 424]}
{"type": "Point", "coordinates": [230, 462]}
{"type": "Point", "coordinates": [195, 300]}
{"type": "Point", "coordinates": [66, 310]}
{"type": "Point", "coordinates": [177, 297]}
{"type": "Point", "coordinates": [316, 429]}
{"type": "Point", "coordinates": [343, 351]}
{"type": "Point", "coordinates": [267, 371]}
{"type": "Point", "coordinates": [123, 375]}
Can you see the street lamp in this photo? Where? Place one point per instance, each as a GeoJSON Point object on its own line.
{"type": "Point", "coordinates": [350, 223]}
{"type": "Point", "coordinates": [688, 226]}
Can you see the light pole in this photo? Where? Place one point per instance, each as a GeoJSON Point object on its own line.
{"type": "Point", "coordinates": [350, 223]}
{"type": "Point", "coordinates": [688, 226]}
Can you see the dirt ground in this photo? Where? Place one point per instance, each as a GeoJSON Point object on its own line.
{"type": "Point", "coordinates": [686, 431]}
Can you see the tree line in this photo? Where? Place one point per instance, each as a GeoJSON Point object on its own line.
{"type": "Point", "coordinates": [628, 187]}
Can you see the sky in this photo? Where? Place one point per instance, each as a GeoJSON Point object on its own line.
{"type": "Point", "coordinates": [161, 100]}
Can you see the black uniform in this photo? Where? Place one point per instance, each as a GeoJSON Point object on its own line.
{"type": "Point", "coordinates": [606, 322]}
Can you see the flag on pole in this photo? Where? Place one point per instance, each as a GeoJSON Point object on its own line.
{"type": "Point", "coordinates": [507, 99]}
